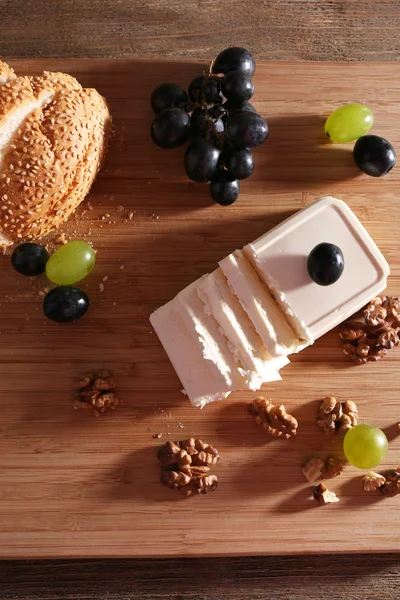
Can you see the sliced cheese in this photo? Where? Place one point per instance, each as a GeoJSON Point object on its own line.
{"type": "Point", "coordinates": [244, 341]}
{"type": "Point", "coordinates": [263, 311]}
{"type": "Point", "coordinates": [197, 349]}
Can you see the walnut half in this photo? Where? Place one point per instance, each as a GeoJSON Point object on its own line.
{"type": "Point", "coordinates": [312, 470]}
{"type": "Point", "coordinates": [337, 417]}
{"type": "Point", "coordinates": [371, 338]}
{"type": "Point", "coordinates": [185, 465]}
{"type": "Point", "coordinates": [373, 481]}
{"type": "Point", "coordinates": [391, 487]}
{"type": "Point", "coordinates": [273, 418]}
{"type": "Point", "coordinates": [316, 469]}
{"type": "Point", "coordinates": [96, 393]}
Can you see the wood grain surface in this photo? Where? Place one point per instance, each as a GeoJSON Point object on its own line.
{"type": "Point", "coordinates": [275, 30]}
{"type": "Point", "coordinates": [256, 578]}
{"type": "Point", "coordinates": [76, 486]}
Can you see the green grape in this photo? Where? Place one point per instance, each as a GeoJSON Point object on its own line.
{"type": "Point", "coordinates": [70, 263]}
{"type": "Point", "coordinates": [348, 123]}
{"type": "Point", "coordinates": [365, 446]}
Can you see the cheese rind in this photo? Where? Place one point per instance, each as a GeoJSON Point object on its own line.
{"type": "Point", "coordinates": [296, 323]}
{"type": "Point", "coordinates": [244, 342]}
{"type": "Point", "coordinates": [280, 257]}
{"type": "Point", "coordinates": [262, 309]}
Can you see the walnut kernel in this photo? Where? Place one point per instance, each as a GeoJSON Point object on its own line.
{"type": "Point", "coordinates": [372, 481]}
{"type": "Point", "coordinates": [273, 418]}
{"type": "Point", "coordinates": [96, 393]}
{"type": "Point", "coordinates": [323, 496]}
{"type": "Point", "coordinates": [370, 339]}
{"type": "Point", "coordinates": [337, 417]}
{"type": "Point", "coordinates": [316, 469]}
{"type": "Point", "coordinates": [391, 487]}
{"type": "Point", "coordinates": [332, 468]}
{"type": "Point", "coordinates": [312, 470]}
{"type": "Point", "coordinates": [185, 466]}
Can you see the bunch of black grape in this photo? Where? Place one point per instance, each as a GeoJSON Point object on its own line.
{"type": "Point", "coordinates": [218, 119]}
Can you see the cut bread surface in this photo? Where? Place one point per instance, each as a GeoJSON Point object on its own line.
{"type": "Point", "coordinates": [53, 139]}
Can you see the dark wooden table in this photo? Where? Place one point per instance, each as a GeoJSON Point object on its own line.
{"type": "Point", "coordinates": [277, 30]}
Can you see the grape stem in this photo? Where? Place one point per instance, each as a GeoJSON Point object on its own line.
{"type": "Point", "coordinates": [190, 107]}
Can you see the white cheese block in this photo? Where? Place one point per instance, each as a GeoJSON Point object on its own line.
{"type": "Point", "coordinates": [257, 366]}
{"type": "Point", "coordinates": [280, 256]}
{"type": "Point", "coordinates": [197, 349]}
{"type": "Point", "coordinates": [262, 309]}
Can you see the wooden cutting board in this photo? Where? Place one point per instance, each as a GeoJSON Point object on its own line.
{"type": "Point", "coordinates": [72, 485]}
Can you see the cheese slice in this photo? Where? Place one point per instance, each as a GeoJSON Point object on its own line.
{"type": "Point", "coordinates": [197, 348]}
{"type": "Point", "coordinates": [262, 309]}
{"type": "Point", "coordinates": [244, 341]}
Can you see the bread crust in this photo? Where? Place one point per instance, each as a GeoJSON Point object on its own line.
{"type": "Point", "coordinates": [54, 155]}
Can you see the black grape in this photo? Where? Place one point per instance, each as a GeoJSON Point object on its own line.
{"type": "Point", "coordinates": [167, 95]}
{"type": "Point", "coordinates": [219, 125]}
{"type": "Point", "coordinates": [201, 123]}
{"type": "Point", "coordinates": [219, 116]}
{"type": "Point", "coordinates": [64, 304]}
{"type": "Point", "coordinates": [240, 163]}
{"type": "Point", "coordinates": [224, 188]}
{"type": "Point", "coordinates": [237, 86]}
{"type": "Point", "coordinates": [29, 259]}
{"type": "Point", "coordinates": [217, 112]}
{"type": "Point", "coordinates": [203, 89]}
{"type": "Point", "coordinates": [234, 59]}
{"type": "Point", "coordinates": [325, 263]}
{"type": "Point", "coordinates": [201, 160]}
{"type": "Point", "coordinates": [212, 91]}
{"type": "Point", "coordinates": [246, 130]}
{"type": "Point", "coordinates": [170, 128]}
{"type": "Point", "coordinates": [233, 107]}
{"type": "Point", "coordinates": [374, 155]}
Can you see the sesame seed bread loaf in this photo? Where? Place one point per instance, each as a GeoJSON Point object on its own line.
{"type": "Point", "coordinates": [53, 139]}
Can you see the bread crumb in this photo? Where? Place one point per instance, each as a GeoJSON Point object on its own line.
{"type": "Point", "coordinates": [122, 267]}
{"type": "Point", "coordinates": [157, 436]}
{"type": "Point", "coordinates": [120, 208]}
{"type": "Point", "coordinates": [130, 216]}
{"type": "Point", "coordinates": [101, 287]}
{"type": "Point", "coordinates": [61, 239]}
{"type": "Point", "coordinates": [179, 425]}
{"type": "Point", "coordinates": [105, 278]}
{"type": "Point", "coordinates": [114, 304]}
